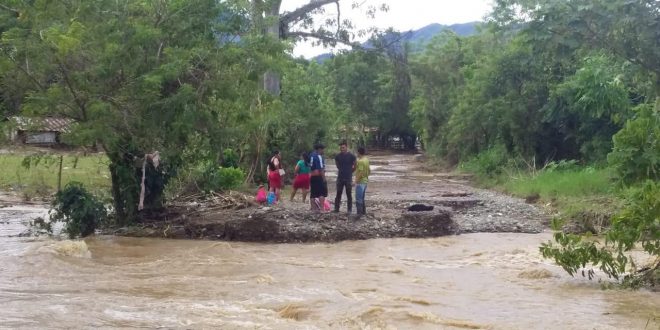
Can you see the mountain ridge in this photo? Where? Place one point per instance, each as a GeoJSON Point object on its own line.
{"type": "Point", "coordinates": [419, 37]}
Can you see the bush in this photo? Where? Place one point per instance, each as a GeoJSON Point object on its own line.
{"type": "Point", "coordinates": [230, 158]}
{"type": "Point", "coordinates": [637, 223]}
{"type": "Point", "coordinates": [78, 209]}
{"type": "Point", "coordinates": [221, 179]}
{"type": "Point", "coordinates": [636, 152]}
{"type": "Point", "coordinates": [489, 163]}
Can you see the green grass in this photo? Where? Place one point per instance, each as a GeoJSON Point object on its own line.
{"type": "Point", "coordinates": [575, 193]}
{"type": "Point", "coordinates": [580, 182]}
{"type": "Point", "coordinates": [41, 179]}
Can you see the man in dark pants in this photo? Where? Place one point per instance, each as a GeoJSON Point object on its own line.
{"type": "Point", "coordinates": [345, 162]}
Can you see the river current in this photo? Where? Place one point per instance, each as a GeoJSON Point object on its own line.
{"type": "Point", "coordinates": [472, 281]}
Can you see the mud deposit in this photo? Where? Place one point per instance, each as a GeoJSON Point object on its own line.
{"type": "Point", "coordinates": [397, 182]}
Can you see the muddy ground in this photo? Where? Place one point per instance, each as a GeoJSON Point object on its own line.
{"type": "Point", "coordinates": [397, 182]}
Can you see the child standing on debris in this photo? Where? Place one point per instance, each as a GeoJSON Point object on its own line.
{"type": "Point", "coordinates": [261, 195]}
{"type": "Point", "coordinates": [362, 172]}
{"type": "Point", "coordinates": [301, 180]}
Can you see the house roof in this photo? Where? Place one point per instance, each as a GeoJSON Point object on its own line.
{"type": "Point", "coordinates": [50, 124]}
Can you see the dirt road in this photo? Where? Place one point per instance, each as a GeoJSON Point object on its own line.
{"type": "Point", "coordinates": [400, 180]}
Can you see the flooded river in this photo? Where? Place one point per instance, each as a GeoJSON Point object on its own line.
{"type": "Point", "coordinates": [473, 281]}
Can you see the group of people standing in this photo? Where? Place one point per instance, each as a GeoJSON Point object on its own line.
{"type": "Point", "coordinates": [310, 176]}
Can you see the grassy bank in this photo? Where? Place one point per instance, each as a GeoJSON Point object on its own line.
{"type": "Point", "coordinates": [41, 177]}
{"type": "Point", "coordinates": [572, 192]}
{"type": "Point", "coordinates": [586, 196]}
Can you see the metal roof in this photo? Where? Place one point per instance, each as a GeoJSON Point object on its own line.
{"type": "Point", "coordinates": [50, 124]}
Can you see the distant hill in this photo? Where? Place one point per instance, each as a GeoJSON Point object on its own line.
{"type": "Point", "coordinates": [418, 38]}
{"type": "Point", "coordinates": [323, 57]}
{"type": "Point", "coordinates": [425, 34]}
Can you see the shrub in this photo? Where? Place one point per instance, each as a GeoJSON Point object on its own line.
{"type": "Point", "coordinates": [78, 209]}
{"type": "Point", "coordinates": [491, 162]}
{"type": "Point", "coordinates": [222, 178]}
{"type": "Point", "coordinates": [637, 223]}
{"type": "Point", "coordinates": [230, 158]}
{"type": "Point", "coordinates": [636, 152]}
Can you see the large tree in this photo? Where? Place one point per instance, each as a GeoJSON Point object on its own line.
{"type": "Point", "coordinates": [629, 29]}
{"type": "Point", "coordinates": [137, 76]}
{"type": "Point", "coordinates": [169, 75]}
{"type": "Point", "coordinates": [268, 19]}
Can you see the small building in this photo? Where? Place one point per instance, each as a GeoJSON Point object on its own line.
{"type": "Point", "coordinates": [37, 130]}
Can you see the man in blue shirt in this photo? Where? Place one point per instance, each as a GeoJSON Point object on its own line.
{"type": "Point", "coordinates": [318, 187]}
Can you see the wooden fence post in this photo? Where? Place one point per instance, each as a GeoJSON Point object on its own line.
{"type": "Point", "coordinates": [59, 175]}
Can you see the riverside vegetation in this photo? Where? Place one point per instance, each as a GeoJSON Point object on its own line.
{"type": "Point", "coordinates": [558, 102]}
{"type": "Point", "coordinates": [555, 101]}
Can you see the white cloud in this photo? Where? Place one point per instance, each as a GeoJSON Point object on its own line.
{"type": "Point", "coordinates": [403, 15]}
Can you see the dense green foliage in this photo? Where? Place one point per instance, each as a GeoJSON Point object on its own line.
{"type": "Point", "coordinates": [131, 74]}
{"type": "Point", "coordinates": [478, 93]}
{"type": "Point", "coordinates": [143, 76]}
{"type": "Point", "coordinates": [548, 83]}
{"type": "Point", "coordinates": [221, 179]}
{"type": "Point", "coordinates": [636, 153]}
{"type": "Point", "coordinates": [545, 88]}
{"type": "Point", "coordinates": [586, 88]}
{"type": "Point", "coordinates": [78, 209]}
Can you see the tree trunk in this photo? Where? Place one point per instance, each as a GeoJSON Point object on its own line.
{"type": "Point", "coordinates": [657, 92]}
{"type": "Point", "coordinates": [125, 188]}
{"type": "Point", "coordinates": [126, 177]}
{"type": "Point", "coordinates": [272, 79]}
{"type": "Point", "coordinates": [272, 82]}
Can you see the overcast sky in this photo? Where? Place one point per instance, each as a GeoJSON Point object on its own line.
{"type": "Point", "coordinates": [403, 15]}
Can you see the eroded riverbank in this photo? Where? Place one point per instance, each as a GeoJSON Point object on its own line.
{"type": "Point", "coordinates": [397, 182]}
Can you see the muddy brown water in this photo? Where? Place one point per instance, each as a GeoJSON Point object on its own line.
{"type": "Point", "coordinates": [471, 281]}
